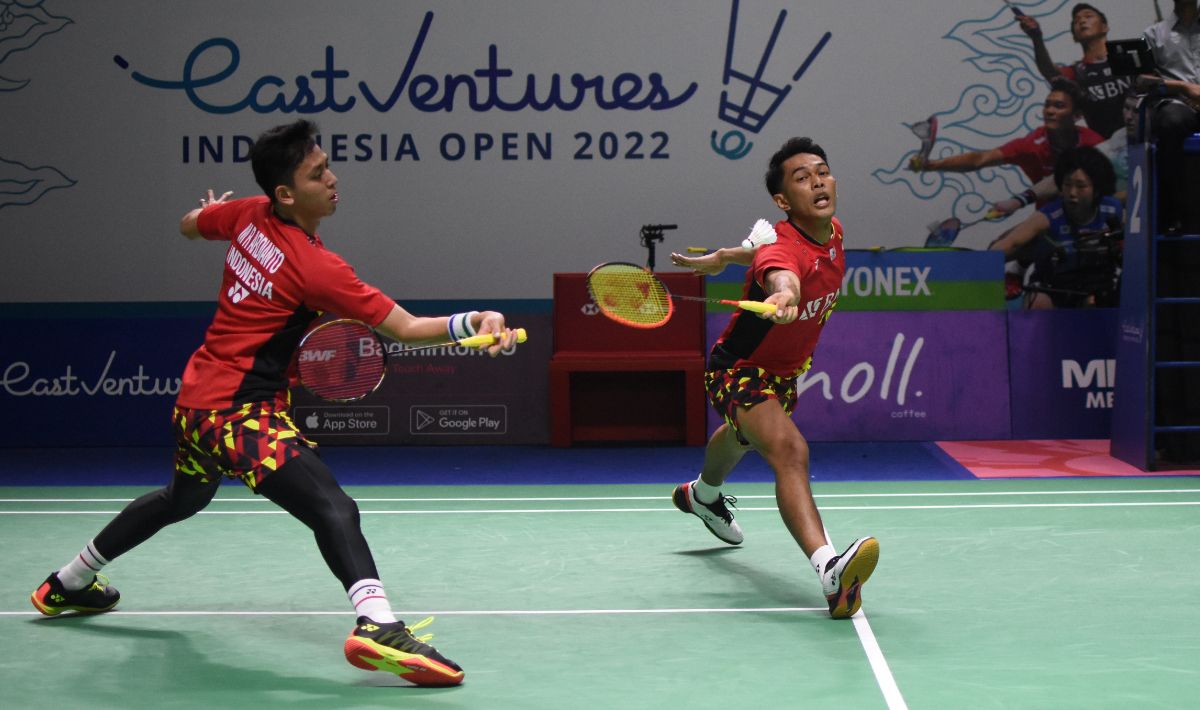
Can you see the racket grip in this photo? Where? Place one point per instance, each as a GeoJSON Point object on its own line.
{"type": "Point", "coordinates": [485, 339]}
{"type": "Point", "coordinates": [697, 250]}
{"type": "Point", "coordinates": [756, 306]}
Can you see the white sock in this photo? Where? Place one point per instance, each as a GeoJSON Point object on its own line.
{"type": "Point", "coordinates": [821, 557]}
{"type": "Point", "coordinates": [371, 601]}
{"type": "Point", "coordinates": [79, 572]}
{"type": "Point", "coordinates": [704, 492]}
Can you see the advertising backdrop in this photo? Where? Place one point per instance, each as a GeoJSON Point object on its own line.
{"type": "Point", "coordinates": [480, 146]}
{"type": "Point", "coordinates": [903, 376]}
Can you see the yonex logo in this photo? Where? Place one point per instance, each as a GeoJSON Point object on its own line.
{"type": "Point", "coordinates": [57, 598]}
{"type": "Point", "coordinates": [589, 309]}
{"type": "Point", "coordinates": [237, 292]}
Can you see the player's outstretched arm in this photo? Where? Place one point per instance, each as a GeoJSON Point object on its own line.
{"type": "Point", "coordinates": [961, 163]}
{"type": "Point", "coordinates": [715, 262]}
{"type": "Point", "coordinates": [188, 223]}
{"type": "Point", "coordinates": [783, 290]}
{"type": "Point", "coordinates": [404, 327]}
{"type": "Point", "coordinates": [1022, 234]}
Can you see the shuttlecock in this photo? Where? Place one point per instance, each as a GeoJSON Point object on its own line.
{"type": "Point", "coordinates": [763, 233]}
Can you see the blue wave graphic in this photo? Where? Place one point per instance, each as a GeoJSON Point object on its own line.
{"type": "Point", "coordinates": [23, 24]}
{"type": "Point", "coordinates": [23, 185]}
{"type": "Point", "coordinates": [1006, 103]}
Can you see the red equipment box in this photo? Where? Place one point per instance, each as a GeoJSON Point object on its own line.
{"type": "Point", "coordinates": [614, 383]}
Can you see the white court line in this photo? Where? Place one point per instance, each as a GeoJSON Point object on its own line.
{"type": "Point", "coordinates": [259, 499]}
{"type": "Point", "coordinates": [879, 665]}
{"type": "Point", "coordinates": [547, 511]}
{"type": "Point", "coordinates": [459, 612]}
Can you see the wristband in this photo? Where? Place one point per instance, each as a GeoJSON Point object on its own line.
{"type": "Point", "coordinates": [1026, 198]}
{"type": "Point", "coordinates": [459, 325]}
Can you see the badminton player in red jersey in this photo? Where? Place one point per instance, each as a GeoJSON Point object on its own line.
{"type": "Point", "coordinates": [752, 369]}
{"type": "Point", "coordinates": [231, 413]}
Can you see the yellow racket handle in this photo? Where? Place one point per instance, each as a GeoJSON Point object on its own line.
{"type": "Point", "coordinates": [485, 339]}
{"type": "Point", "coordinates": [754, 306]}
{"type": "Point", "coordinates": [697, 250]}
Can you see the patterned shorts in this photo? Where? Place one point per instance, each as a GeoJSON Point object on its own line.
{"type": "Point", "coordinates": [745, 387]}
{"type": "Point", "coordinates": [246, 442]}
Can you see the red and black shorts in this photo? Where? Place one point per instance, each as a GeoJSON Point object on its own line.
{"type": "Point", "coordinates": [745, 387]}
{"type": "Point", "coordinates": [246, 442]}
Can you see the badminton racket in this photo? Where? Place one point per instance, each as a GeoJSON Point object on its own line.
{"type": "Point", "coordinates": [632, 295]}
{"type": "Point", "coordinates": [344, 360]}
{"type": "Point", "coordinates": [943, 233]}
{"type": "Point", "coordinates": [926, 131]}
{"type": "Point", "coordinates": [1015, 10]}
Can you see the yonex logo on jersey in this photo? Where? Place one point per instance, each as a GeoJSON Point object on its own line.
{"type": "Point", "coordinates": [237, 292]}
{"type": "Point", "coordinates": [590, 309]}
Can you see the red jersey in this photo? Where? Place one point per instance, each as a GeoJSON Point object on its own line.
{"type": "Point", "coordinates": [277, 280]}
{"type": "Point", "coordinates": [1034, 155]}
{"type": "Point", "coordinates": [786, 349]}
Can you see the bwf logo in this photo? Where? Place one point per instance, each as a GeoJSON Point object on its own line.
{"type": "Point", "coordinates": [316, 355]}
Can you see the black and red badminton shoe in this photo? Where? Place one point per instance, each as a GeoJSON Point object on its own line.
{"type": "Point", "coordinates": [391, 647]}
{"type": "Point", "coordinates": [52, 598]}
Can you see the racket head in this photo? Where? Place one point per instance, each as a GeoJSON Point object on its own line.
{"type": "Point", "coordinates": [341, 360]}
{"type": "Point", "coordinates": [630, 294]}
{"type": "Point", "coordinates": [943, 234]}
{"type": "Point", "coordinates": [926, 131]}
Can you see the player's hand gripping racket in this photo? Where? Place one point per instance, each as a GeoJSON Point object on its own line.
{"type": "Point", "coordinates": [344, 360]}
{"type": "Point", "coordinates": [632, 295]}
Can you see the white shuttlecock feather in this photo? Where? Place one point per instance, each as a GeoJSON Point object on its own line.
{"type": "Point", "coordinates": [763, 233]}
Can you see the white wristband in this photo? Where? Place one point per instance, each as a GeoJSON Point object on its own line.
{"type": "Point", "coordinates": [459, 325]}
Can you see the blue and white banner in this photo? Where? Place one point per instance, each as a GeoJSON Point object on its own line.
{"type": "Point", "coordinates": [481, 147]}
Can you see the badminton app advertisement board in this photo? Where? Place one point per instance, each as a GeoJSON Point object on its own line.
{"type": "Point", "coordinates": [1063, 373]}
{"type": "Point", "coordinates": [445, 396]}
{"type": "Point", "coordinates": [903, 377]}
{"type": "Point", "coordinates": [481, 147]}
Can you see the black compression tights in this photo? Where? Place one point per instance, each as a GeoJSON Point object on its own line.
{"type": "Point", "coordinates": [304, 487]}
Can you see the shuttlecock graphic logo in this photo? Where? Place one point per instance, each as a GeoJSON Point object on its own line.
{"type": "Point", "coordinates": [748, 100]}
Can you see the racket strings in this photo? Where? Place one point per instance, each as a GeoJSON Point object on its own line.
{"type": "Point", "coordinates": [341, 361]}
{"type": "Point", "coordinates": [629, 293]}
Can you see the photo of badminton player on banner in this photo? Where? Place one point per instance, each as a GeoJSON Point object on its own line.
{"type": "Point", "coordinates": [752, 371]}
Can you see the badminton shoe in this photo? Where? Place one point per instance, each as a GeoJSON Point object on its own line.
{"type": "Point", "coordinates": [716, 515]}
{"type": "Point", "coordinates": [391, 647]}
{"type": "Point", "coordinates": [53, 599]}
{"type": "Point", "coordinates": [845, 574]}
